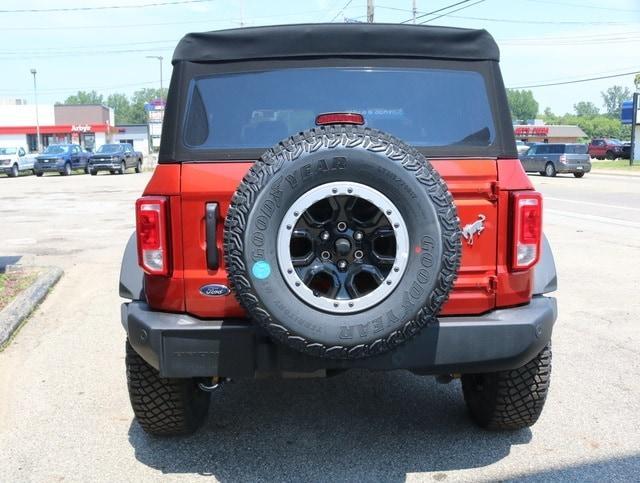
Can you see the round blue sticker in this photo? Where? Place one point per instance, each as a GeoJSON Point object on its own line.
{"type": "Point", "coordinates": [261, 270]}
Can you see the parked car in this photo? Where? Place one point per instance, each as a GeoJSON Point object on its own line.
{"type": "Point", "coordinates": [606, 149]}
{"type": "Point", "coordinates": [62, 158]}
{"type": "Point", "coordinates": [13, 160]}
{"type": "Point", "coordinates": [115, 158]}
{"type": "Point", "coordinates": [522, 147]}
{"type": "Point", "coordinates": [549, 159]}
{"type": "Point", "coordinates": [290, 234]}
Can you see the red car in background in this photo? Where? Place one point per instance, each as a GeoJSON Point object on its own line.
{"type": "Point", "coordinates": [606, 149]}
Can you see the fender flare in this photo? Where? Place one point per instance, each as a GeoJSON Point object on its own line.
{"type": "Point", "coordinates": [131, 275]}
{"type": "Point", "coordinates": [545, 278]}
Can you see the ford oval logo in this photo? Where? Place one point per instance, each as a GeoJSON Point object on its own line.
{"type": "Point", "coordinates": [214, 290]}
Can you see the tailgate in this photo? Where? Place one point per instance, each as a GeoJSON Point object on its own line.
{"type": "Point", "coordinates": [473, 183]}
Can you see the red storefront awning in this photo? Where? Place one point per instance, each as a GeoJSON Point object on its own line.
{"type": "Point", "coordinates": [60, 129]}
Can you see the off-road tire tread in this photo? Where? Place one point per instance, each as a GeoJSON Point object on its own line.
{"type": "Point", "coordinates": [163, 406]}
{"type": "Point", "coordinates": [344, 136]}
{"type": "Point", "coordinates": [512, 399]}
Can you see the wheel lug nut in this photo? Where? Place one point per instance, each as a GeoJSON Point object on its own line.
{"type": "Point", "coordinates": [358, 254]}
{"type": "Point", "coordinates": [325, 255]}
{"type": "Point", "coordinates": [324, 236]}
{"type": "Point", "coordinates": [342, 264]}
{"type": "Point", "coordinates": [342, 226]}
{"type": "Point", "coordinates": [358, 235]}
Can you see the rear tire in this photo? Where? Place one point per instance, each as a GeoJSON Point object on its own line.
{"type": "Point", "coordinates": [509, 399]}
{"type": "Point", "coordinates": [14, 171]}
{"type": "Point", "coordinates": [139, 166]}
{"type": "Point", "coordinates": [542, 173]}
{"type": "Point", "coordinates": [578, 175]}
{"type": "Point", "coordinates": [610, 155]}
{"type": "Point", "coordinates": [162, 406]}
{"type": "Point", "coordinates": [38, 174]}
{"type": "Point", "coordinates": [550, 170]}
{"type": "Point", "coordinates": [93, 173]}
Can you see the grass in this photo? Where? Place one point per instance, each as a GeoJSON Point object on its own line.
{"type": "Point", "coordinates": [11, 284]}
{"type": "Point", "coordinates": [618, 164]}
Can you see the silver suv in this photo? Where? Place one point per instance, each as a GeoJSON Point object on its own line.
{"type": "Point", "coordinates": [550, 159]}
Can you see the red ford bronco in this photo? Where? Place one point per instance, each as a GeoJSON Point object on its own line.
{"type": "Point", "coordinates": [337, 196]}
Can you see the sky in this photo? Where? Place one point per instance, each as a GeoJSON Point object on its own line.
{"type": "Point", "coordinates": [105, 49]}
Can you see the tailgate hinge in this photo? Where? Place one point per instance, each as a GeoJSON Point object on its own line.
{"type": "Point", "coordinates": [492, 286]}
{"type": "Point", "coordinates": [495, 191]}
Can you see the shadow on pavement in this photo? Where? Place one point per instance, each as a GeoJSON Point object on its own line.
{"type": "Point", "coordinates": [611, 469]}
{"type": "Point", "coordinates": [358, 426]}
{"type": "Point", "coordinates": [6, 261]}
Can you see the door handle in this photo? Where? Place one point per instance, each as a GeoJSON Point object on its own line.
{"type": "Point", "coordinates": [211, 224]}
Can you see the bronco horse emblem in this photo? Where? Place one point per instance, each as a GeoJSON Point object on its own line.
{"type": "Point", "coordinates": [473, 229]}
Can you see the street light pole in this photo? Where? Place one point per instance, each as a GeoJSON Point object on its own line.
{"type": "Point", "coordinates": [35, 95]}
{"type": "Point", "coordinates": [159, 58]}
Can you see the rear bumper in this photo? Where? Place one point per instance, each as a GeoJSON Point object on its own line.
{"type": "Point", "coordinates": [574, 168]}
{"type": "Point", "coordinates": [179, 345]}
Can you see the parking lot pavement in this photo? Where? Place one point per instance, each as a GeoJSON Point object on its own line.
{"type": "Point", "coordinates": [64, 412]}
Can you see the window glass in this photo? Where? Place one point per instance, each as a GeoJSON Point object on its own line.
{"type": "Point", "coordinates": [424, 107]}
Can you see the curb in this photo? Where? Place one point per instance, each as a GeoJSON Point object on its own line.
{"type": "Point", "coordinates": [14, 314]}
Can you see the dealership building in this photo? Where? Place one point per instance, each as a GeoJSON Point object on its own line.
{"type": "Point", "coordinates": [543, 133]}
{"type": "Point", "coordinates": [87, 125]}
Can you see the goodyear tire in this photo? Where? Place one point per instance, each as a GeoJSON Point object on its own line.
{"type": "Point", "coordinates": [509, 400]}
{"type": "Point", "coordinates": [163, 406]}
{"type": "Point", "coordinates": [380, 250]}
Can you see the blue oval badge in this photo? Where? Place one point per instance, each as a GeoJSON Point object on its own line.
{"type": "Point", "coordinates": [214, 290]}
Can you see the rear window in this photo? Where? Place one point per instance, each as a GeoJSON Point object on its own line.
{"type": "Point", "coordinates": [576, 149]}
{"type": "Point", "coordinates": [424, 107]}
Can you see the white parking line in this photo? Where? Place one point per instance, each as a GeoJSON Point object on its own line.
{"type": "Point", "coordinates": [599, 219]}
{"type": "Point", "coordinates": [591, 203]}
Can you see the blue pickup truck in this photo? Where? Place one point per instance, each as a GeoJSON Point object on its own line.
{"type": "Point", "coordinates": [62, 158]}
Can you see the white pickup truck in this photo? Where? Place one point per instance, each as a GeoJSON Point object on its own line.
{"type": "Point", "coordinates": [14, 159]}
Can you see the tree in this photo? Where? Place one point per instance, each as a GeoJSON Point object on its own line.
{"type": "Point", "coordinates": [636, 82]}
{"type": "Point", "coordinates": [522, 104]}
{"type": "Point", "coordinates": [83, 97]}
{"type": "Point", "coordinates": [586, 109]}
{"type": "Point", "coordinates": [121, 108]}
{"type": "Point", "coordinates": [138, 100]}
{"type": "Point", "coordinates": [613, 98]}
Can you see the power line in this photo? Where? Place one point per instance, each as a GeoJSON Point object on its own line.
{"type": "Point", "coordinates": [541, 22]}
{"type": "Point", "coordinates": [588, 79]}
{"type": "Point", "coordinates": [452, 11]}
{"type": "Point", "coordinates": [341, 11]}
{"type": "Point", "coordinates": [158, 24]}
{"type": "Point", "coordinates": [55, 90]}
{"type": "Point", "coordinates": [104, 7]}
{"type": "Point", "coordinates": [582, 5]}
{"type": "Point", "coordinates": [436, 11]}
{"type": "Point", "coordinates": [47, 55]}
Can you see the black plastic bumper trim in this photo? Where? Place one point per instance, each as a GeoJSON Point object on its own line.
{"type": "Point", "coordinates": [179, 345]}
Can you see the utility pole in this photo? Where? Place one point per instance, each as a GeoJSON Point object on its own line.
{"type": "Point", "coordinates": [158, 57]}
{"type": "Point", "coordinates": [415, 11]}
{"type": "Point", "coordinates": [369, 11]}
{"type": "Point", "coordinates": [35, 95]}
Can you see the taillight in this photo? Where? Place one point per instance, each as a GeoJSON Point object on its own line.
{"type": "Point", "coordinates": [339, 118]}
{"type": "Point", "coordinates": [151, 231]}
{"type": "Point", "coordinates": [527, 229]}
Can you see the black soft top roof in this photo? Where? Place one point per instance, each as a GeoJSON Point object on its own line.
{"type": "Point", "coordinates": [337, 40]}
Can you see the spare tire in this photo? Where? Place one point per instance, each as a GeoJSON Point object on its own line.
{"type": "Point", "coordinates": [342, 242]}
